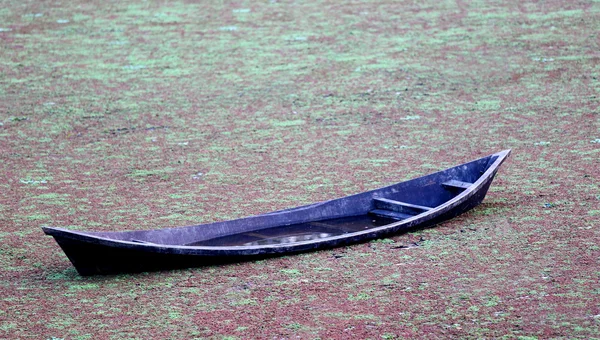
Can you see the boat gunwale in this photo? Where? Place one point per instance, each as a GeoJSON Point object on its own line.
{"type": "Point", "coordinates": [215, 250]}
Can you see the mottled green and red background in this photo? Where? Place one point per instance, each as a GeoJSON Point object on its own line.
{"type": "Point", "coordinates": [119, 115]}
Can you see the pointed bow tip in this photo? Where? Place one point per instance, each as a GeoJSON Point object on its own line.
{"type": "Point", "coordinates": [504, 153]}
{"type": "Point", "coordinates": [48, 230]}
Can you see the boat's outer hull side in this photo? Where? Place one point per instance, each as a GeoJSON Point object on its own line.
{"type": "Point", "coordinates": [91, 258]}
{"type": "Point", "coordinates": [94, 259]}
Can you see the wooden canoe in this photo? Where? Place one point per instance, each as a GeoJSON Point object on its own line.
{"type": "Point", "coordinates": [417, 203]}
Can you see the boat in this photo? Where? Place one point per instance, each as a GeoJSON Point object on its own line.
{"type": "Point", "coordinates": [417, 203]}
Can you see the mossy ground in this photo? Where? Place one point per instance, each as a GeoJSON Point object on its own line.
{"type": "Point", "coordinates": [136, 115]}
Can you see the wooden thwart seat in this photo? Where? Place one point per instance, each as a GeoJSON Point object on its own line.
{"type": "Point", "coordinates": [454, 184]}
{"type": "Point", "coordinates": [395, 209]}
{"type": "Point", "coordinates": [389, 214]}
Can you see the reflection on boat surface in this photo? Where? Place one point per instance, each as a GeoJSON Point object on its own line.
{"type": "Point", "coordinates": [288, 239]}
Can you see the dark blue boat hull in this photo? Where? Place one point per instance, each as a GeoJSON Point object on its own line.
{"type": "Point", "coordinates": [441, 196]}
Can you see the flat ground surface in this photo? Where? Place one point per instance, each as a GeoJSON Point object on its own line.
{"type": "Point", "coordinates": [118, 115]}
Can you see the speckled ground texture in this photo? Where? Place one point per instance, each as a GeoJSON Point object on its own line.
{"type": "Point", "coordinates": [118, 115]}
